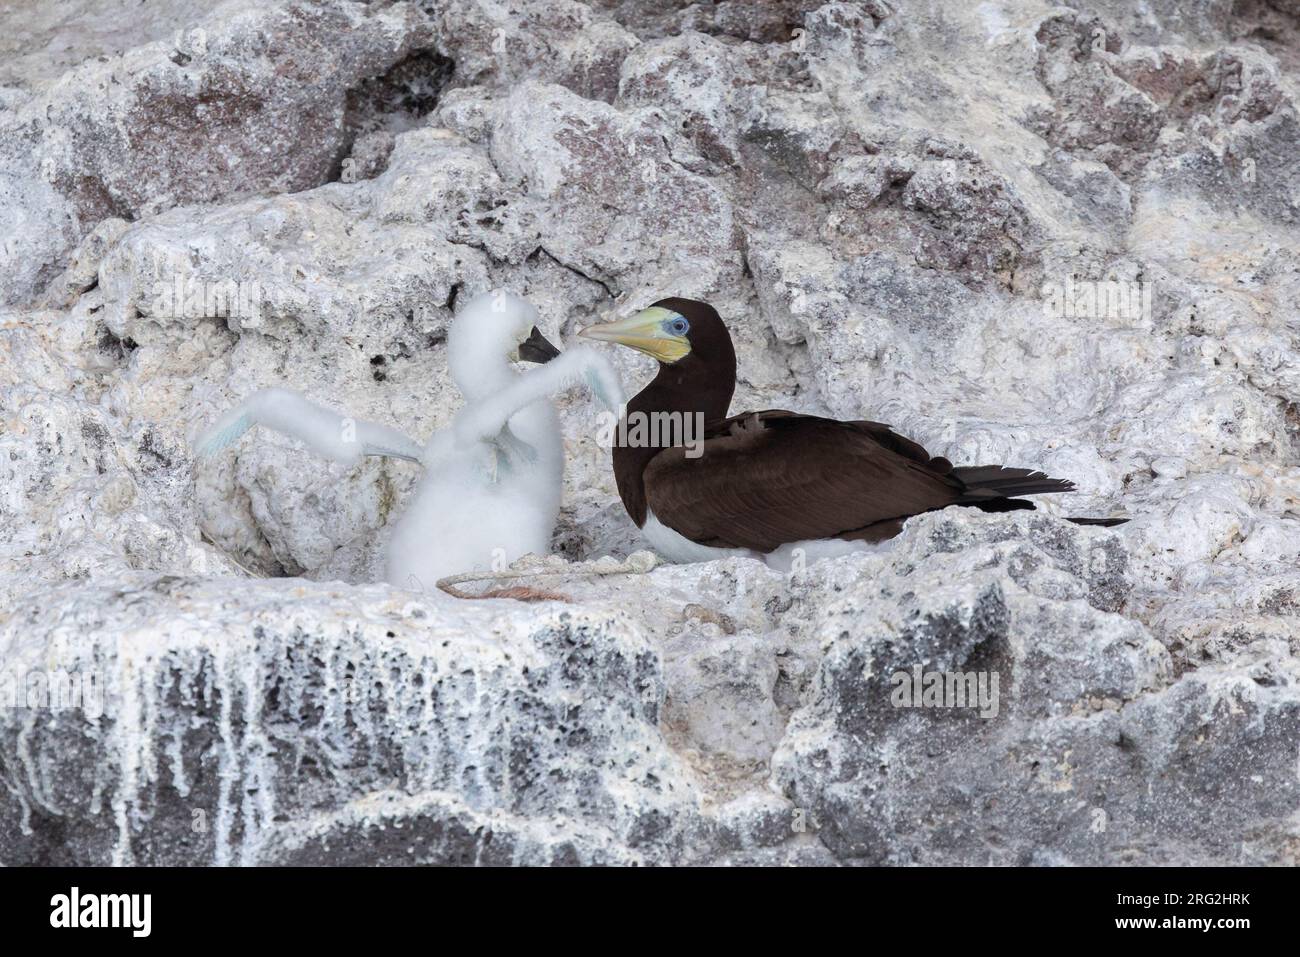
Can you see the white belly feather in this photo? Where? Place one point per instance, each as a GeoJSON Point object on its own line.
{"type": "Point", "coordinates": [676, 547]}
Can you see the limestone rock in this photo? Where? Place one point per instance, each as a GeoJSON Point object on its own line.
{"type": "Point", "coordinates": [1054, 237]}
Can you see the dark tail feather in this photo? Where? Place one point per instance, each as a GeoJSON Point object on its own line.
{"type": "Point", "coordinates": [990, 489]}
{"type": "Point", "coordinates": [985, 482]}
{"type": "Point", "coordinates": [998, 504]}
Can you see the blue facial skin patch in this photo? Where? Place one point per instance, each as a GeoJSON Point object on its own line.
{"type": "Point", "coordinates": [676, 325]}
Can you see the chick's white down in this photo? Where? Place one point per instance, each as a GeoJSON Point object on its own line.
{"type": "Point", "coordinates": [490, 492]}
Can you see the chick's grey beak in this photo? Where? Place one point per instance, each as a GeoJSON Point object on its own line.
{"type": "Point", "coordinates": [536, 348]}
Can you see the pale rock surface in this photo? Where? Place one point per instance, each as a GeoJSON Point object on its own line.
{"type": "Point", "coordinates": [877, 196]}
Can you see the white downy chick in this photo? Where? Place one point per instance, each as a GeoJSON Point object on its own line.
{"type": "Point", "coordinates": [491, 488]}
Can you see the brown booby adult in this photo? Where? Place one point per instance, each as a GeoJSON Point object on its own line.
{"type": "Point", "coordinates": [764, 481]}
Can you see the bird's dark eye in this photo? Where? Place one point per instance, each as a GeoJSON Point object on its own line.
{"type": "Point", "coordinates": [678, 325]}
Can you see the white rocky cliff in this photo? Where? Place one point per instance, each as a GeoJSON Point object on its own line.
{"type": "Point", "coordinates": [1062, 237]}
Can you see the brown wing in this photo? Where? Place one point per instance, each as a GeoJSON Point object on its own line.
{"type": "Point", "coordinates": [766, 478]}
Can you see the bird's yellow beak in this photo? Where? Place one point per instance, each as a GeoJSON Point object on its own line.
{"type": "Point", "coordinates": [646, 332]}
